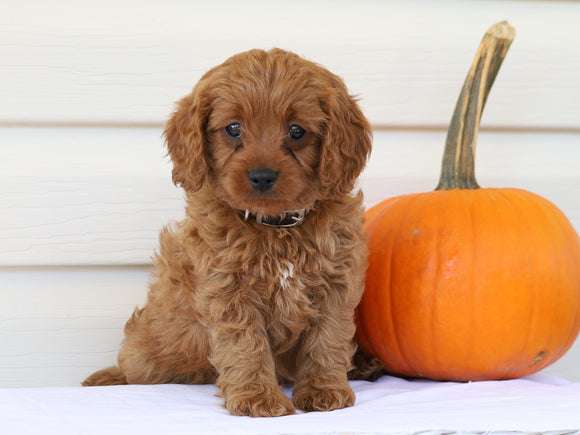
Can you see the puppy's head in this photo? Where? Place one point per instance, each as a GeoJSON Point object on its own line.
{"type": "Point", "coordinates": [268, 132]}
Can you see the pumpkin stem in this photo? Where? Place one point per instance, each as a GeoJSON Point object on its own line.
{"type": "Point", "coordinates": [458, 166]}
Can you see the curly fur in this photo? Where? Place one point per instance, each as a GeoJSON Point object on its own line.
{"type": "Point", "coordinates": [241, 304]}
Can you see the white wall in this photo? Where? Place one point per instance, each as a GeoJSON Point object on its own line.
{"type": "Point", "coordinates": [85, 90]}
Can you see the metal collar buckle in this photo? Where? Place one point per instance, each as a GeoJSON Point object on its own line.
{"type": "Point", "coordinates": [288, 219]}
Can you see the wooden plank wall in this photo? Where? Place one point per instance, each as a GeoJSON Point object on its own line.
{"type": "Point", "coordinates": [85, 90]}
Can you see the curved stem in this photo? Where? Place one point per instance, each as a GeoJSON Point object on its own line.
{"type": "Point", "coordinates": [458, 166]}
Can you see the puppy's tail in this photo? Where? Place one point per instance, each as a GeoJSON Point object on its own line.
{"type": "Point", "coordinates": [109, 376]}
{"type": "Point", "coordinates": [365, 367]}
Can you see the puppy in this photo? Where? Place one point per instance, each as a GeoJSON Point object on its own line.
{"type": "Point", "coordinates": [258, 284]}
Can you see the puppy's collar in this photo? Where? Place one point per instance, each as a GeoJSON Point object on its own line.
{"type": "Point", "coordinates": [288, 219]}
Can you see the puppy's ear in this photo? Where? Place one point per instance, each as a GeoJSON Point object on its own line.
{"type": "Point", "coordinates": [186, 141]}
{"type": "Point", "coordinates": [346, 144]}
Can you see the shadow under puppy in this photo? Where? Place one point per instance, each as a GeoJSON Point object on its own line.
{"type": "Point", "coordinates": [258, 284]}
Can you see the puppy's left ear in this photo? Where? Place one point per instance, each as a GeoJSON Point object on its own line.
{"type": "Point", "coordinates": [346, 144]}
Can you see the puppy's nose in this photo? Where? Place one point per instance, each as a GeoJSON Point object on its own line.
{"type": "Point", "coordinates": [262, 179]}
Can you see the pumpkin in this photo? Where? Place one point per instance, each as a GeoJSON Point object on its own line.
{"type": "Point", "coordinates": [467, 283]}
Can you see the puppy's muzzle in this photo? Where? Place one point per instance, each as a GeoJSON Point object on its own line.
{"type": "Point", "coordinates": [262, 179]}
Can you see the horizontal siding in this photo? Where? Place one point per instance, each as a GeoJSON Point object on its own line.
{"type": "Point", "coordinates": [100, 196]}
{"type": "Point", "coordinates": [86, 196]}
{"type": "Point", "coordinates": [76, 62]}
{"type": "Point", "coordinates": [57, 325]}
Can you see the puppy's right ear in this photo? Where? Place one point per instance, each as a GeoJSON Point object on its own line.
{"type": "Point", "coordinates": [186, 141]}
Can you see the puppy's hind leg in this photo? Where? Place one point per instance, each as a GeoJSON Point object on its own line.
{"type": "Point", "coordinates": [109, 376]}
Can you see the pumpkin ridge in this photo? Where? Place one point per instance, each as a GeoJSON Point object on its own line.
{"type": "Point", "coordinates": [402, 354]}
{"type": "Point", "coordinates": [536, 288]}
{"type": "Point", "coordinates": [470, 350]}
{"type": "Point", "coordinates": [374, 216]}
{"type": "Point", "coordinates": [576, 321]}
{"type": "Point", "coordinates": [362, 335]}
{"type": "Point", "coordinates": [531, 267]}
{"type": "Point", "coordinates": [572, 334]}
{"type": "Point", "coordinates": [452, 202]}
{"type": "Point", "coordinates": [540, 208]}
{"type": "Point", "coordinates": [540, 205]}
{"type": "Point", "coordinates": [434, 361]}
{"type": "Point", "coordinates": [470, 364]}
{"type": "Point", "coordinates": [380, 210]}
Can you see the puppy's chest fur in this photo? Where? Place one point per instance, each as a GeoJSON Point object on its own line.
{"type": "Point", "coordinates": [281, 272]}
{"type": "Point", "coordinates": [291, 290]}
{"type": "Point", "coordinates": [287, 275]}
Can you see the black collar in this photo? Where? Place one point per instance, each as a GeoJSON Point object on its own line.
{"type": "Point", "coordinates": [288, 219]}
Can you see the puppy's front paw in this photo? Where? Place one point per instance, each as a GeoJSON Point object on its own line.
{"type": "Point", "coordinates": [265, 404]}
{"type": "Point", "coordinates": [310, 399]}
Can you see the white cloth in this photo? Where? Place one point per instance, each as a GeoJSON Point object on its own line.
{"type": "Point", "coordinates": [535, 404]}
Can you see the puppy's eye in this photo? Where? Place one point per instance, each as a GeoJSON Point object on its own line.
{"type": "Point", "coordinates": [295, 132]}
{"type": "Point", "coordinates": [234, 131]}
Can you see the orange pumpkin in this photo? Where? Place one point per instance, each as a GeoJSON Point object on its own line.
{"type": "Point", "coordinates": [466, 283]}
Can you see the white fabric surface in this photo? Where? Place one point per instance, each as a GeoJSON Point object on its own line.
{"type": "Point", "coordinates": [535, 404]}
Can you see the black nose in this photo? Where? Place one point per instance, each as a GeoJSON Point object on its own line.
{"type": "Point", "coordinates": [262, 179]}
